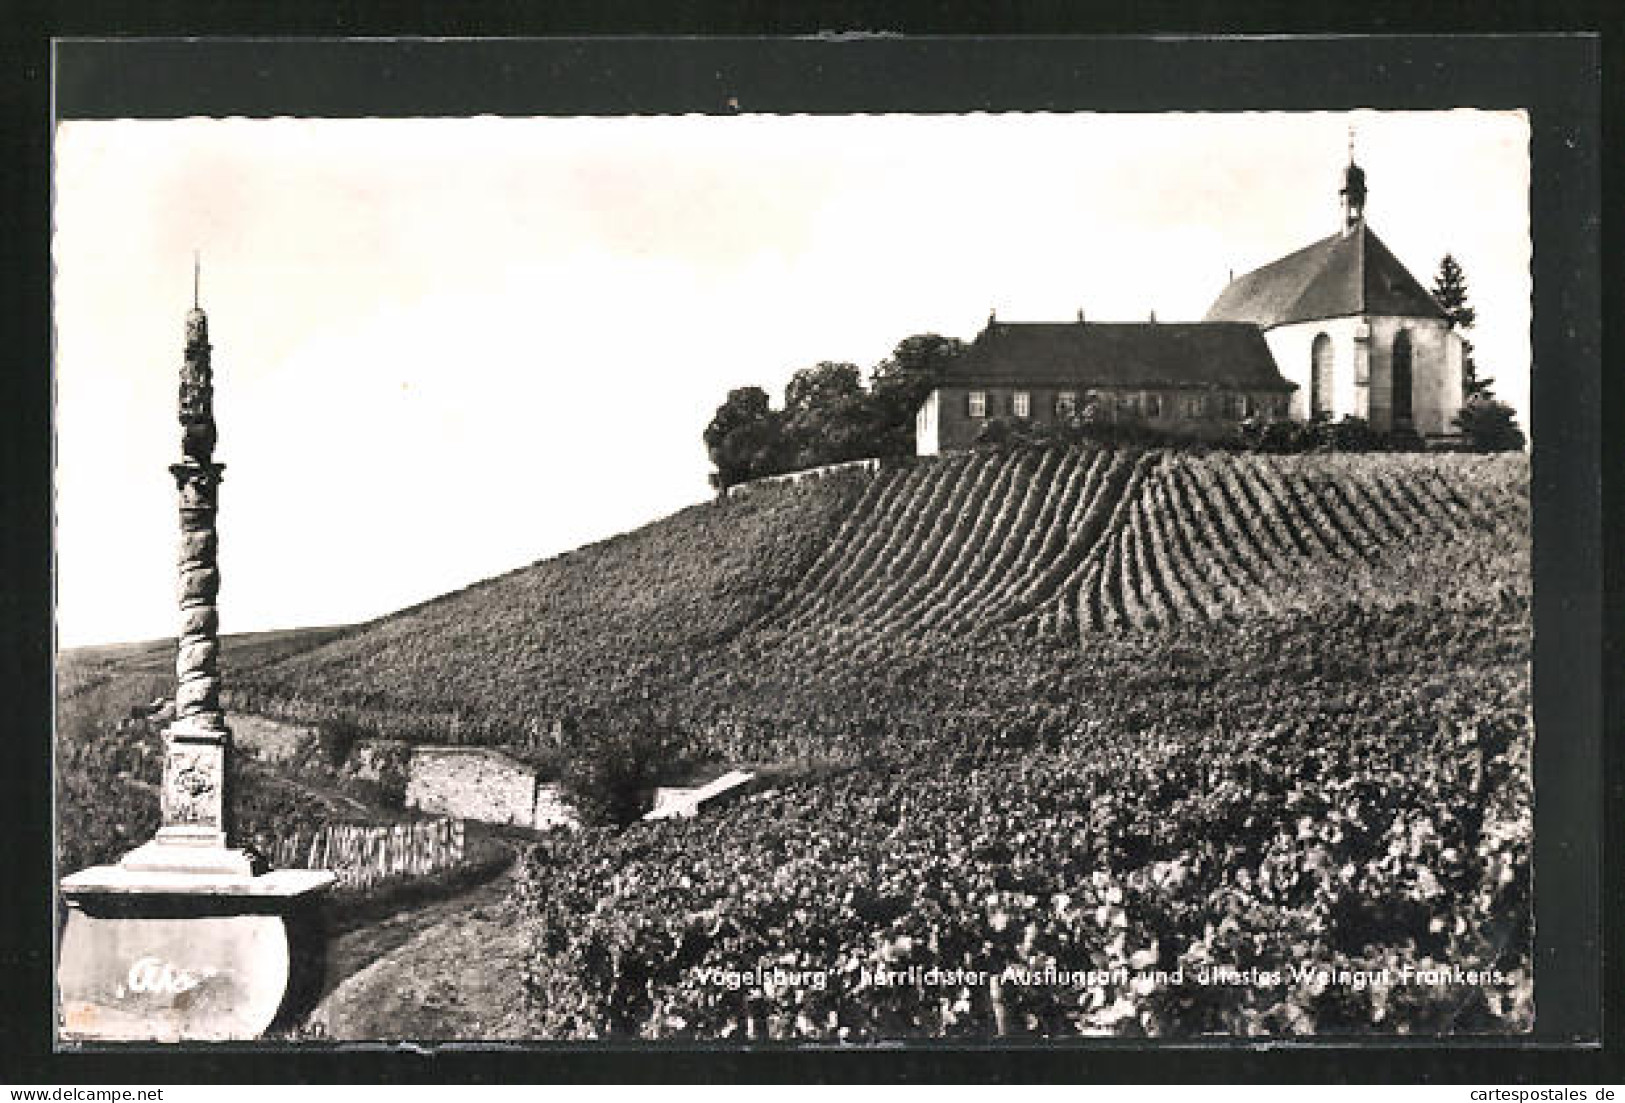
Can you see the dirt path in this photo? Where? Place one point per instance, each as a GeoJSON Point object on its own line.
{"type": "Point", "coordinates": [447, 970]}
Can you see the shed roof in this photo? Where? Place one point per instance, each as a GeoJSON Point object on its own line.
{"type": "Point", "coordinates": [1333, 278]}
{"type": "Point", "coordinates": [1119, 354]}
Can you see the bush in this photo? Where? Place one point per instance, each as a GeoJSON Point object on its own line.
{"type": "Point", "coordinates": [1353, 434]}
{"type": "Point", "coordinates": [1014, 432]}
{"type": "Point", "coordinates": [1489, 425]}
{"type": "Point", "coordinates": [1087, 428]}
{"type": "Point", "coordinates": [612, 774]}
{"type": "Point", "coordinates": [1406, 439]}
{"type": "Point", "coordinates": [1321, 434]}
{"type": "Point", "coordinates": [1276, 436]}
{"type": "Point", "coordinates": [337, 738]}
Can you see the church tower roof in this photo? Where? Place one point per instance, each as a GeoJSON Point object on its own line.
{"type": "Point", "coordinates": [1352, 272]}
{"type": "Point", "coordinates": [1339, 276]}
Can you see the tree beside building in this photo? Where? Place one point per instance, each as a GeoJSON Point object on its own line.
{"type": "Point", "coordinates": [1450, 289]}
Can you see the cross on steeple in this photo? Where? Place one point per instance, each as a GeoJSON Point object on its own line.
{"type": "Point", "coordinates": [1353, 191]}
{"type": "Point", "coordinates": [196, 269]}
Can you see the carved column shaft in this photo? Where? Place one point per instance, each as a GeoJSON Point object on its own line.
{"type": "Point", "coordinates": [195, 809]}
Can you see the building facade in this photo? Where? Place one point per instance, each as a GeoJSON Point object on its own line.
{"type": "Point", "coordinates": [1191, 379]}
{"type": "Point", "coordinates": [1353, 329]}
{"type": "Point", "coordinates": [1338, 328]}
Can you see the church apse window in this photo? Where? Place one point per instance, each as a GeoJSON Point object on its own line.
{"type": "Point", "coordinates": [1401, 377]}
{"type": "Point", "coordinates": [1320, 375]}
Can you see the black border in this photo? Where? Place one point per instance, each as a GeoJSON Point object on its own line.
{"type": "Point", "coordinates": [1558, 78]}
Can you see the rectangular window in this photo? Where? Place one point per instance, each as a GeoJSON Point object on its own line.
{"type": "Point", "coordinates": [1066, 404]}
{"type": "Point", "coordinates": [1022, 404]}
{"type": "Point", "coordinates": [1195, 405]}
{"type": "Point", "coordinates": [1129, 404]}
{"type": "Point", "coordinates": [1153, 405]}
{"type": "Point", "coordinates": [977, 403]}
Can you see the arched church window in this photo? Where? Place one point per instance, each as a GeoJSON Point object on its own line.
{"type": "Point", "coordinates": [1320, 375]}
{"type": "Point", "coordinates": [1401, 377]}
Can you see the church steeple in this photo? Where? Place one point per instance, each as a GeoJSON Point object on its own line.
{"type": "Point", "coordinates": [1352, 192]}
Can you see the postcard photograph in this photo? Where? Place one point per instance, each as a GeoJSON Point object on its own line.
{"type": "Point", "coordinates": [762, 578]}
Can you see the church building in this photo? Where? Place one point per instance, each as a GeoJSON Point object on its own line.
{"type": "Point", "coordinates": [1336, 329]}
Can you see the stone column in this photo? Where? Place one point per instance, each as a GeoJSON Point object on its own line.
{"type": "Point", "coordinates": [189, 936]}
{"type": "Point", "coordinates": [195, 827]}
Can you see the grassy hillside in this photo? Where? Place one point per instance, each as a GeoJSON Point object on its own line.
{"type": "Point", "coordinates": [151, 663]}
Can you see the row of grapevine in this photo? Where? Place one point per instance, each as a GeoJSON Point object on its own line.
{"type": "Point", "coordinates": [960, 546]}
{"type": "Point", "coordinates": [1210, 537]}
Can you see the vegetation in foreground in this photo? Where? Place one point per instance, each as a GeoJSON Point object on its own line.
{"type": "Point", "coordinates": [1317, 803]}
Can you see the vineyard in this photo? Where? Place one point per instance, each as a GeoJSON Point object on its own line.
{"type": "Point", "coordinates": [742, 619]}
{"type": "Point", "coordinates": [1345, 793]}
{"type": "Point", "coordinates": [1087, 539]}
{"type": "Point", "coordinates": [1113, 718]}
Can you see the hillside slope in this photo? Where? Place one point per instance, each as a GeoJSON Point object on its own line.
{"type": "Point", "coordinates": [948, 593]}
{"type": "Point", "coordinates": [592, 628]}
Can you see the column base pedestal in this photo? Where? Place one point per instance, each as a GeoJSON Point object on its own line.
{"type": "Point", "coordinates": [163, 856]}
{"type": "Point", "coordinates": [199, 954]}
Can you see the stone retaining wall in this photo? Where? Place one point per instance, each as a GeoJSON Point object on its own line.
{"type": "Point", "coordinates": [273, 742]}
{"type": "Point", "coordinates": [869, 466]}
{"type": "Point", "coordinates": [473, 783]}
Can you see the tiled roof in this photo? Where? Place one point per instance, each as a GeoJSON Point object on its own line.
{"type": "Point", "coordinates": [1118, 354]}
{"type": "Point", "coordinates": [1333, 278]}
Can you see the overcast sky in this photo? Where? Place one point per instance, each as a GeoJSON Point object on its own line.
{"type": "Point", "coordinates": [447, 348]}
